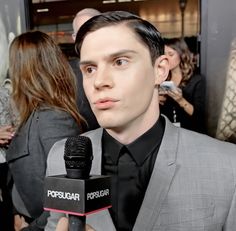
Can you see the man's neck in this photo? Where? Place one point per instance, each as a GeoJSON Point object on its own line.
{"type": "Point", "coordinates": [131, 132]}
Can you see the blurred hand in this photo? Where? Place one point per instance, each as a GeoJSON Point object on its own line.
{"type": "Point", "coordinates": [162, 96]}
{"type": "Point", "coordinates": [63, 224]}
{"type": "Point", "coordinates": [176, 94]}
{"type": "Point", "coordinates": [6, 134]}
{"type": "Point", "coordinates": [19, 223]}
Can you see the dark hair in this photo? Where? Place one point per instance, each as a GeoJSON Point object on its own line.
{"type": "Point", "coordinates": [144, 30]}
{"type": "Point", "coordinates": [187, 64]}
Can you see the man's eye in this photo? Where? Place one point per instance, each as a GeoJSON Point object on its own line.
{"type": "Point", "coordinates": [90, 70]}
{"type": "Point", "coordinates": [121, 62]}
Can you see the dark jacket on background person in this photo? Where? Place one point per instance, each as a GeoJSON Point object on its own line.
{"type": "Point", "coordinates": [194, 93]}
{"type": "Point", "coordinates": [27, 159]}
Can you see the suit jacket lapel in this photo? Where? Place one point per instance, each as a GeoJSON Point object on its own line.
{"type": "Point", "coordinates": [96, 138]}
{"type": "Point", "coordinates": [160, 181]}
{"type": "Point", "coordinates": [19, 145]}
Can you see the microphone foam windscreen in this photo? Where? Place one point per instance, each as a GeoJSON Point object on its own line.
{"type": "Point", "coordinates": [78, 151]}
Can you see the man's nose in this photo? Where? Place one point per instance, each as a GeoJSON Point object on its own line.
{"type": "Point", "coordinates": [103, 78]}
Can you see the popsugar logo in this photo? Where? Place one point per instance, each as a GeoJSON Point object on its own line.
{"type": "Point", "coordinates": [63, 195]}
{"type": "Point", "coordinates": [98, 194]}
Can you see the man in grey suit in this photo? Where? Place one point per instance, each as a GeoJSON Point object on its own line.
{"type": "Point", "coordinates": [164, 178]}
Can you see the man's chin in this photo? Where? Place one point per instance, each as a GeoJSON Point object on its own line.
{"type": "Point", "coordinates": [107, 124]}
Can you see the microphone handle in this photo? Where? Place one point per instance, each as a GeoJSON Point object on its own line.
{"type": "Point", "coordinates": [77, 223]}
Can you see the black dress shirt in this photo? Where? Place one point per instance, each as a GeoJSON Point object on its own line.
{"type": "Point", "coordinates": [130, 167]}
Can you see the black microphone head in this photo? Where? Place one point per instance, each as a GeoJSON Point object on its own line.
{"type": "Point", "coordinates": [78, 157]}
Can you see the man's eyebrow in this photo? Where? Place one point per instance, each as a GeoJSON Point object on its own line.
{"type": "Point", "coordinates": [121, 52]}
{"type": "Point", "coordinates": [86, 62]}
{"type": "Point", "coordinates": [109, 56]}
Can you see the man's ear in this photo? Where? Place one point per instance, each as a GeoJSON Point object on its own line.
{"type": "Point", "coordinates": [161, 66]}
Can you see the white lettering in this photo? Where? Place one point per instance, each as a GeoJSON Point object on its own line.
{"type": "Point", "coordinates": [97, 194]}
{"type": "Point", "coordinates": [63, 195]}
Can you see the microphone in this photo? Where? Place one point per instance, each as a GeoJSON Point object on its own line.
{"type": "Point", "coordinates": [78, 158]}
{"type": "Point", "coordinates": [77, 193]}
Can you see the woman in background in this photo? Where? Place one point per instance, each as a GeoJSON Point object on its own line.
{"type": "Point", "coordinates": [43, 90]}
{"type": "Point", "coordinates": [184, 105]}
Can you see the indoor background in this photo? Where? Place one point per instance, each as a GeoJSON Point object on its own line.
{"type": "Point", "coordinates": [210, 22]}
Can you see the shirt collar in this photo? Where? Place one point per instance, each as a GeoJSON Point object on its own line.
{"type": "Point", "coordinates": [139, 149]}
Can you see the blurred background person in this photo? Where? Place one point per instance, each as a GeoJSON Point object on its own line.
{"type": "Point", "coordinates": [43, 90]}
{"type": "Point", "coordinates": [81, 17]}
{"type": "Point", "coordinates": [185, 104]}
{"type": "Point", "coordinates": [6, 133]}
{"type": "Point", "coordinates": [82, 102]}
{"type": "Point", "coordinates": [7, 120]}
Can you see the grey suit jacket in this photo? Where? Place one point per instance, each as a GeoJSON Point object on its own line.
{"type": "Point", "coordinates": [192, 187]}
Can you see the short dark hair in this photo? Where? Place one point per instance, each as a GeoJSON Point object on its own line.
{"type": "Point", "coordinates": [144, 30]}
